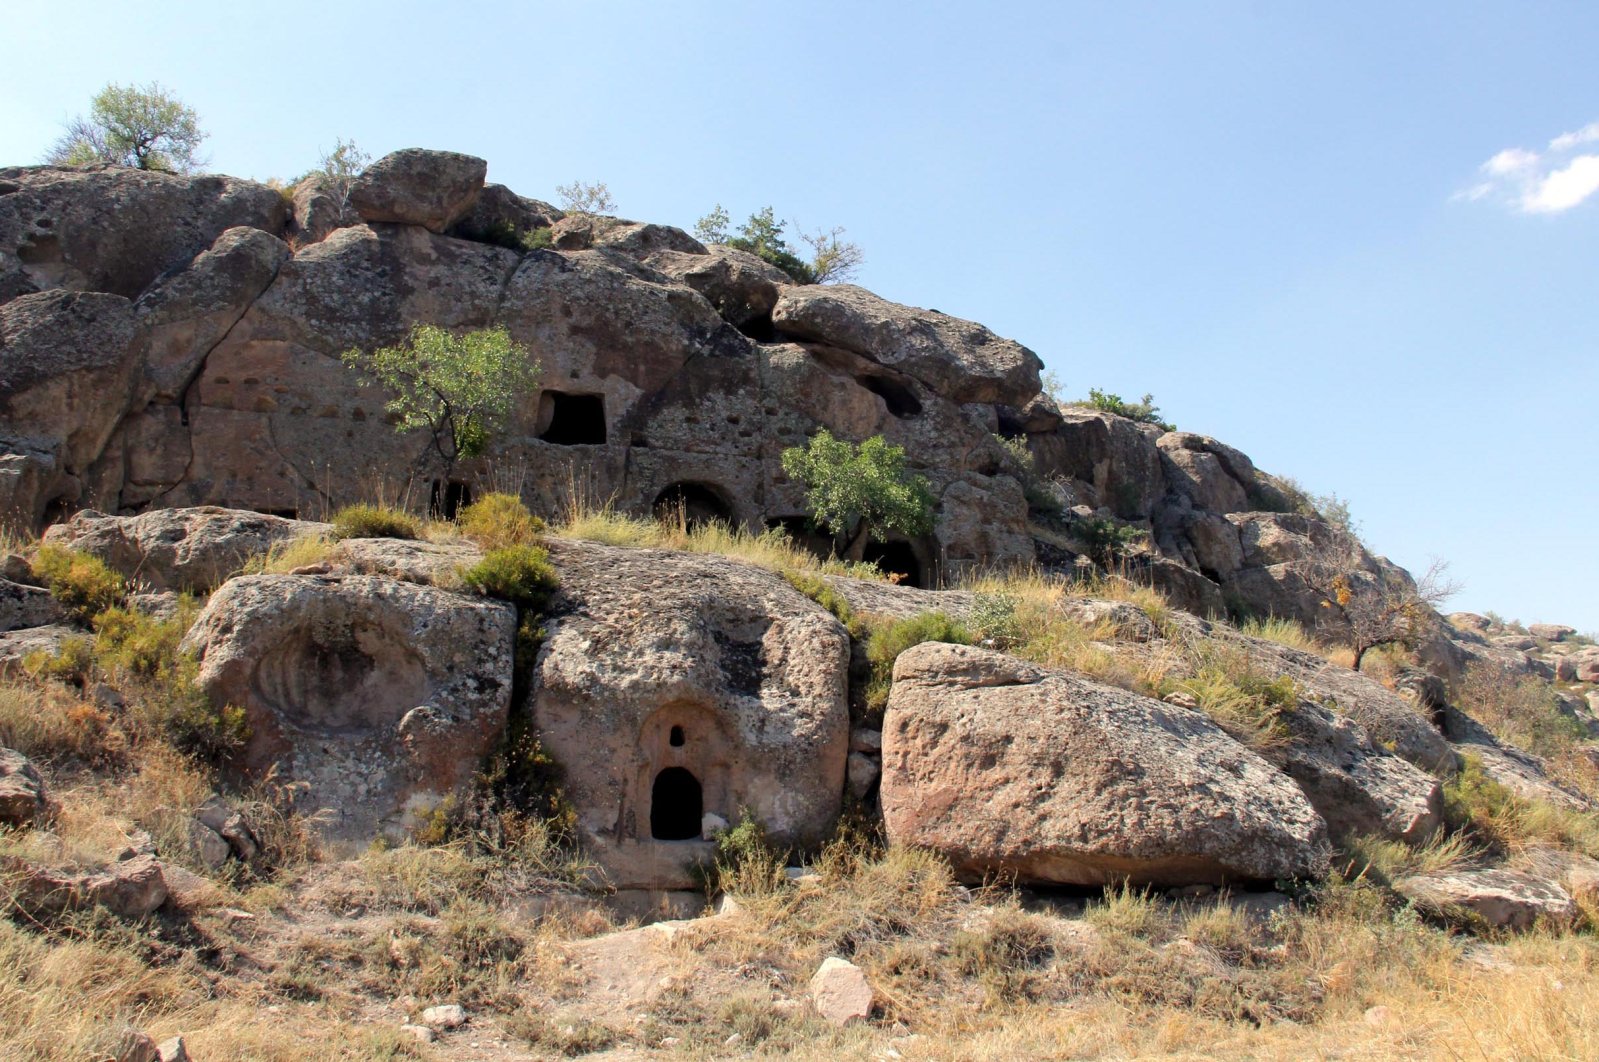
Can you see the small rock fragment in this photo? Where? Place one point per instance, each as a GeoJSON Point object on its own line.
{"type": "Point", "coordinates": [840, 992]}
{"type": "Point", "coordinates": [447, 1016]}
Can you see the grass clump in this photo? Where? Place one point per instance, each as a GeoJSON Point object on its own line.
{"type": "Point", "coordinates": [288, 555]}
{"type": "Point", "coordinates": [521, 575]}
{"type": "Point", "coordinates": [1497, 817]}
{"type": "Point", "coordinates": [84, 584]}
{"type": "Point", "coordinates": [1283, 631]}
{"type": "Point", "coordinates": [375, 521]}
{"type": "Point", "coordinates": [887, 641]}
{"type": "Point", "coordinates": [498, 520]}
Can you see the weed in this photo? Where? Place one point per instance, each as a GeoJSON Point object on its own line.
{"type": "Point", "coordinates": [887, 641]}
{"type": "Point", "coordinates": [498, 520]}
{"type": "Point", "coordinates": [375, 521]}
{"type": "Point", "coordinates": [84, 584]}
{"type": "Point", "coordinates": [521, 575]}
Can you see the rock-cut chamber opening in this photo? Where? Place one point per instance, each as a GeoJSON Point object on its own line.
{"type": "Point", "coordinates": [677, 804]}
{"type": "Point", "coordinates": [692, 505]}
{"type": "Point", "coordinates": [897, 558]}
{"type": "Point", "coordinates": [572, 420]}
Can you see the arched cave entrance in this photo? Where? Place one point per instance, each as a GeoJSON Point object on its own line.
{"type": "Point", "coordinates": [692, 505]}
{"type": "Point", "coordinates": [677, 805]}
{"type": "Point", "coordinates": [571, 419]}
{"type": "Point", "coordinates": [896, 558]}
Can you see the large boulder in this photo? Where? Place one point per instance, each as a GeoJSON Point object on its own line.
{"type": "Point", "coordinates": [22, 606]}
{"type": "Point", "coordinates": [131, 888]}
{"type": "Point", "coordinates": [188, 312]}
{"type": "Point", "coordinates": [23, 796]}
{"type": "Point", "coordinates": [1116, 456]}
{"type": "Point", "coordinates": [415, 186]}
{"type": "Point", "coordinates": [673, 685]}
{"type": "Point", "coordinates": [501, 216]}
{"type": "Point", "coordinates": [382, 697]}
{"type": "Point", "coordinates": [961, 360]}
{"type": "Point", "coordinates": [1007, 768]}
{"type": "Point", "coordinates": [114, 229]}
{"type": "Point", "coordinates": [743, 287]}
{"type": "Point", "coordinates": [179, 549]}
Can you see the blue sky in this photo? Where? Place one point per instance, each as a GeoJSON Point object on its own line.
{"type": "Point", "coordinates": [1358, 241]}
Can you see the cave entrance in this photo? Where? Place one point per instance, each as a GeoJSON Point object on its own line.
{"type": "Point", "coordinates": [677, 805]}
{"type": "Point", "coordinates": [692, 505]}
{"type": "Point", "coordinates": [900, 399]}
{"type": "Point", "coordinates": [572, 419]}
{"type": "Point", "coordinates": [896, 558]}
{"type": "Point", "coordinates": [449, 498]}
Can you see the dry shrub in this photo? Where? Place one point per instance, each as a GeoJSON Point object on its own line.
{"type": "Point", "coordinates": [498, 520]}
{"type": "Point", "coordinates": [287, 555]}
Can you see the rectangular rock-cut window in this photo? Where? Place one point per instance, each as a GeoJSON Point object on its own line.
{"type": "Point", "coordinates": [571, 419]}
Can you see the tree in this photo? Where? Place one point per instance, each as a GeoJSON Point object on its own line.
{"type": "Point", "coordinates": [712, 228]}
{"type": "Point", "coordinates": [833, 259]}
{"type": "Point", "coordinates": [1381, 608]}
{"type": "Point", "coordinates": [339, 168]}
{"type": "Point", "coordinates": [581, 197]}
{"type": "Point", "coordinates": [128, 125]}
{"type": "Point", "coordinates": [855, 490]}
{"type": "Point", "coordinates": [462, 388]}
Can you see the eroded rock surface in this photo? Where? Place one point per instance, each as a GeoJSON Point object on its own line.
{"type": "Point", "coordinates": [179, 549]}
{"type": "Point", "coordinates": [673, 685]}
{"type": "Point", "coordinates": [416, 186]}
{"type": "Point", "coordinates": [1505, 898]}
{"type": "Point", "coordinates": [1009, 768]}
{"type": "Point", "coordinates": [382, 696]}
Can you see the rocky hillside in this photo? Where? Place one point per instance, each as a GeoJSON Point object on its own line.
{"type": "Point", "coordinates": [289, 770]}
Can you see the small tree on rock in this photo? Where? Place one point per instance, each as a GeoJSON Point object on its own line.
{"type": "Point", "coordinates": [128, 125]}
{"type": "Point", "coordinates": [856, 490]}
{"type": "Point", "coordinates": [1377, 608]}
{"type": "Point", "coordinates": [582, 197]}
{"type": "Point", "coordinates": [461, 388]}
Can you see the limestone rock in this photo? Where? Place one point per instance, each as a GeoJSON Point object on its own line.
{"type": "Point", "coordinates": [131, 888]}
{"type": "Point", "coordinates": [179, 549]}
{"type": "Point", "coordinates": [1008, 768]}
{"type": "Point", "coordinates": [16, 646]}
{"type": "Point", "coordinates": [173, 1050]}
{"type": "Point", "coordinates": [499, 214]}
{"type": "Point", "coordinates": [318, 209]}
{"type": "Point", "coordinates": [1550, 632]}
{"type": "Point", "coordinates": [961, 360]}
{"type": "Point", "coordinates": [1117, 457]}
{"type": "Point", "coordinates": [640, 240]}
{"type": "Point", "coordinates": [383, 697]}
{"type": "Point", "coordinates": [671, 685]}
{"type": "Point", "coordinates": [840, 992]}
{"type": "Point", "coordinates": [115, 229]}
{"type": "Point", "coordinates": [188, 312]}
{"type": "Point", "coordinates": [743, 287]}
{"type": "Point", "coordinates": [26, 606]}
{"type": "Point", "coordinates": [1519, 771]}
{"type": "Point", "coordinates": [446, 1016]}
{"type": "Point", "coordinates": [415, 186]}
{"type": "Point", "coordinates": [1504, 898]}
{"type": "Point", "coordinates": [23, 796]}
{"type": "Point", "coordinates": [862, 774]}
{"type": "Point", "coordinates": [134, 1046]}
{"type": "Point", "coordinates": [68, 361]}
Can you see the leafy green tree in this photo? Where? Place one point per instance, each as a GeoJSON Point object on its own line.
{"type": "Point", "coordinates": [339, 168]}
{"type": "Point", "coordinates": [833, 259]}
{"type": "Point", "coordinates": [856, 490]}
{"type": "Point", "coordinates": [712, 228]}
{"type": "Point", "coordinates": [762, 235]}
{"type": "Point", "coordinates": [461, 388]}
{"type": "Point", "coordinates": [129, 125]}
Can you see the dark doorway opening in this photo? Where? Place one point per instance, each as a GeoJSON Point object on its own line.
{"type": "Point", "coordinates": [900, 399]}
{"type": "Point", "coordinates": [675, 738]}
{"type": "Point", "coordinates": [896, 558]}
{"type": "Point", "coordinates": [676, 806]}
{"type": "Point", "coordinates": [449, 498]}
{"type": "Point", "coordinates": [572, 420]}
{"type": "Point", "coordinates": [691, 504]}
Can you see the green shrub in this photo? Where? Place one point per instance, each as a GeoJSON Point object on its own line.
{"type": "Point", "coordinates": [747, 862]}
{"type": "Point", "coordinates": [83, 583]}
{"type": "Point", "coordinates": [885, 644]}
{"type": "Point", "coordinates": [498, 520]}
{"type": "Point", "coordinates": [521, 575]}
{"type": "Point", "coordinates": [1107, 541]}
{"type": "Point", "coordinates": [819, 590]}
{"type": "Point", "coordinates": [1041, 498]}
{"type": "Point", "coordinates": [375, 521]}
{"type": "Point", "coordinates": [993, 619]}
{"type": "Point", "coordinates": [134, 642]}
{"type": "Point", "coordinates": [1144, 411]}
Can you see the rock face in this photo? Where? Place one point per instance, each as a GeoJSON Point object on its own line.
{"type": "Point", "coordinates": [178, 549]}
{"type": "Point", "coordinates": [433, 189]}
{"type": "Point", "coordinates": [131, 888]}
{"type": "Point", "coordinates": [27, 606]}
{"type": "Point", "coordinates": [1504, 898]}
{"type": "Point", "coordinates": [382, 696]}
{"type": "Point", "coordinates": [673, 685]}
{"type": "Point", "coordinates": [113, 229]}
{"type": "Point", "coordinates": [1008, 768]}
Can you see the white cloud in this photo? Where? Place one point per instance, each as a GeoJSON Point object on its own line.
{"type": "Point", "coordinates": [1564, 188]}
{"type": "Point", "coordinates": [1534, 183]}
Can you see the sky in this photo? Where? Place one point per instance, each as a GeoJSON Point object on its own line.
{"type": "Point", "coordinates": [1358, 241]}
